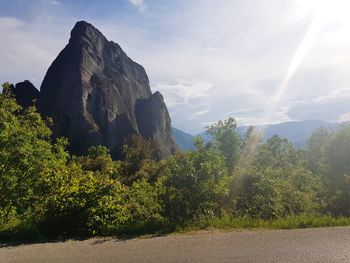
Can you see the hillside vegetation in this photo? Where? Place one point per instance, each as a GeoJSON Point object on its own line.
{"type": "Point", "coordinates": [232, 181]}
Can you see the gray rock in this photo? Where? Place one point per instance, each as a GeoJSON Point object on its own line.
{"type": "Point", "coordinates": [25, 93]}
{"type": "Point", "coordinates": [92, 92]}
{"type": "Point", "coordinates": [151, 116]}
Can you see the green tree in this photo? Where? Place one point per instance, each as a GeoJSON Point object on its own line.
{"type": "Point", "coordinates": [250, 144]}
{"type": "Point", "coordinates": [315, 153]}
{"type": "Point", "coordinates": [138, 152]}
{"type": "Point", "coordinates": [276, 193]}
{"type": "Point", "coordinates": [86, 203]}
{"type": "Point", "coordinates": [253, 194]}
{"type": "Point", "coordinates": [195, 185]}
{"type": "Point", "coordinates": [144, 206]}
{"type": "Point", "coordinates": [276, 183]}
{"type": "Point", "coordinates": [328, 155]}
{"type": "Point", "coordinates": [337, 151]}
{"type": "Point", "coordinates": [99, 160]}
{"type": "Point", "coordinates": [276, 153]}
{"type": "Point", "coordinates": [92, 200]}
{"type": "Point", "coordinates": [29, 163]}
{"type": "Point", "coordinates": [227, 140]}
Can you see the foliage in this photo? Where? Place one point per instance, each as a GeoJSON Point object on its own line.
{"type": "Point", "coordinates": [276, 193]}
{"type": "Point", "coordinates": [138, 152]}
{"type": "Point", "coordinates": [30, 164]}
{"type": "Point", "coordinates": [93, 201]}
{"type": "Point", "coordinates": [86, 203]}
{"type": "Point", "coordinates": [227, 140]}
{"type": "Point", "coordinates": [276, 183]}
{"type": "Point", "coordinates": [251, 142]}
{"type": "Point", "coordinates": [302, 221]}
{"type": "Point", "coordinates": [278, 152]}
{"type": "Point", "coordinates": [329, 156]}
{"type": "Point", "coordinates": [232, 182]}
{"type": "Point", "coordinates": [144, 207]}
{"type": "Point", "coordinates": [337, 151]}
{"type": "Point", "coordinates": [194, 186]}
{"type": "Point", "coordinates": [315, 152]}
{"type": "Point", "coordinates": [99, 160]}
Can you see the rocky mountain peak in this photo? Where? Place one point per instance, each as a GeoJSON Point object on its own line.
{"type": "Point", "coordinates": [86, 31]}
{"type": "Point", "coordinates": [81, 28]}
{"type": "Point", "coordinates": [97, 95]}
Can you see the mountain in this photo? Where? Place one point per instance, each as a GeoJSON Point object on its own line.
{"type": "Point", "coordinates": [97, 95]}
{"type": "Point", "coordinates": [297, 132]}
{"type": "Point", "coordinates": [183, 140]}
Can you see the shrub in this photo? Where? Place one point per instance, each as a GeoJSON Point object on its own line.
{"type": "Point", "coordinates": [195, 184]}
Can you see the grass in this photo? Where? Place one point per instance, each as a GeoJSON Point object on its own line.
{"type": "Point", "coordinates": [28, 233]}
{"type": "Point", "coordinates": [14, 232]}
{"type": "Point", "coordinates": [231, 223]}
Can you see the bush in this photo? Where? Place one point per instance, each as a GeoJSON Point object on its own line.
{"type": "Point", "coordinates": [276, 193]}
{"type": "Point", "coordinates": [30, 164]}
{"type": "Point", "coordinates": [194, 186]}
{"type": "Point", "coordinates": [329, 156]}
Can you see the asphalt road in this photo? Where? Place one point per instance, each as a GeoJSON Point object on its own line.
{"type": "Point", "coordinates": [305, 245]}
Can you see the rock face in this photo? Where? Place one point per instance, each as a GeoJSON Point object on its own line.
{"type": "Point", "coordinates": [153, 121]}
{"type": "Point", "coordinates": [96, 95]}
{"type": "Point", "coordinates": [26, 94]}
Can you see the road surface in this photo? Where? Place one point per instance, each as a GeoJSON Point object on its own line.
{"type": "Point", "coordinates": [304, 245]}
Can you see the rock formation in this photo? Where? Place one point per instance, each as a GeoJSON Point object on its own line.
{"type": "Point", "coordinates": [153, 121]}
{"type": "Point", "coordinates": [26, 94]}
{"type": "Point", "coordinates": [96, 95]}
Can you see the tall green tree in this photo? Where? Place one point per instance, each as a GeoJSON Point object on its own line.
{"type": "Point", "coordinates": [337, 151]}
{"type": "Point", "coordinates": [227, 141]}
{"type": "Point", "coordinates": [249, 149]}
{"type": "Point", "coordinates": [277, 153]}
{"type": "Point", "coordinates": [316, 146]}
{"type": "Point", "coordinates": [329, 156]}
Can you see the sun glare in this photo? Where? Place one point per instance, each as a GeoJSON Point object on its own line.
{"type": "Point", "coordinates": [328, 9]}
{"type": "Point", "coordinates": [324, 13]}
{"type": "Point", "coordinates": [330, 12]}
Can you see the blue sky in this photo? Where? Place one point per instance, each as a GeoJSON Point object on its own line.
{"type": "Point", "coordinates": [259, 61]}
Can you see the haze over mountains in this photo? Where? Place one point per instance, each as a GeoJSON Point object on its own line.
{"type": "Point", "coordinates": [296, 132]}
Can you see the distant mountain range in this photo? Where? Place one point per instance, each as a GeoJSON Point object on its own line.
{"type": "Point", "coordinates": [183, 140]}
{"type": "Point", "coordinates": [297, 132]}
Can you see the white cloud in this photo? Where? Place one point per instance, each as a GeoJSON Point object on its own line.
{"type": "Point", "coordinates": [9, 23]}
{"type": "Point", "coordinates": [187, 101]}
{"type": "Point", "coordinates": [254, 116]}
{"type": "Point", "coordinates": [182, 92]}
{"type": "Point", "coordinates": [207, 123]}
{"type": "Point", "coordinates": [29, 49]}
{"type": "Point", "coordinates": [248, 121]}
{"type": "Point", "coordinates": [140, 4]}
{"type": "Point", "coordinates": [333, 95]}
{"type": "Point", "coordinates": [344, 117]}
{"type": "Point", "coordinates": [198, 113]}
{"type": "Point", "coordinates": [55, 2]}
{"type": "Point", "coordinates": [50, 2]}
